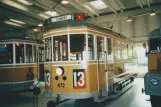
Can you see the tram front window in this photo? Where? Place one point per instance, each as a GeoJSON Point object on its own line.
{"type": "Point", "coordinates": [155, 44]}
{"type": "Point", "coordinates": [60, 48]}
{"type": "Point", "coordinates": [77, 46]}
{"type": "Point", "coordinates": [6, 53]}
{"type": "Point", "coordinates": [20, 53]}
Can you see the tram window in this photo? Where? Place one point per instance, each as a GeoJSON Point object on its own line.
{"type": "Point", "coordinates": [29, 56]}
{"type": "Point", "coordinates": [77, 46]}
{"type": "Point", "coordinates": [20, 58]}
{"type": "Point", "coordinates": [48, 51]}
{"type": "Point", "coordinates": [110, 56]}
{"type": "Point", "coordinates": [6, 53]}
{"type": "Point", "coordinates": [91, 46]}
{"type": "Point", "coordinates": [34, 54]}
{"type": "Point", "coordinates": [155, 44]}
{"type": "Point", "coordinates": [41, 54]}
{"type": "Point", "coordinates": [60, 48]}
{"type": "Point", "coordinates": [100, 48]}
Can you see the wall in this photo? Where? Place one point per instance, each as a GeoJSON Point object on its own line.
{"type": "Point", "coordinates": [138, 29]}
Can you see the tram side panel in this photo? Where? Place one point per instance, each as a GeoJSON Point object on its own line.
{"type": "Point", "coordinates": [18, 78]}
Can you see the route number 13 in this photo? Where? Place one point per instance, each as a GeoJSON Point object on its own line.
{"type": "Point", "coordinates": [79, 78]}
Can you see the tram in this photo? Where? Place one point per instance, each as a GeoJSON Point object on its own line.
{"type": "Point", "coordinates": [18, 64]}
{"type": "Point", "coordinates": [152, 79]}
{"type": "Point", "coordinates": [83, 60]}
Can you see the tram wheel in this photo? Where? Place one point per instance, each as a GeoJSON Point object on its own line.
{"type": "Point", "coordinates": [51, 104]}
{"type": "Point", "coordinates": [155, 100]}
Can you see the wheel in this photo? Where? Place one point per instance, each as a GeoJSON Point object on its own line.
{"type": "Point", "coordinates": [51, 104]}
{"type": "Point", "coordinates": [155, 100]}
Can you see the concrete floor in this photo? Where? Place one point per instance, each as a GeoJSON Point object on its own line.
{"type": "Point", "coordinates": [131, 98]}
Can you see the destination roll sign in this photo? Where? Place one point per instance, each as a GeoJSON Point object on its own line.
{"type": "Point", "coordinates": [74, 16]}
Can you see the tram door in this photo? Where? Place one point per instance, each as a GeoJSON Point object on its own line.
{"type": "Point", "coordinates": [102, 61]}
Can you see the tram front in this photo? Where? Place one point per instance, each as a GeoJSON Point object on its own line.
{"type": "Point", "coordinates": [152, 79]}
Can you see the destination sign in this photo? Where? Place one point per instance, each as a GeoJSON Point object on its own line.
{"type": "Point", "coordinates": [61, 18]}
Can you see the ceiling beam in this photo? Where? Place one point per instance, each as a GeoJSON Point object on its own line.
{"type": "Point", "coordinates": [115, 5]}
{"type": "Point", "coordinates": [126, 13]}
{"type": "Point", "coordinates": [49, 4]}
{"type": "Point", "coordinates": [148, 2]}
{"type": "Point", "coordinates": [109, 5]}
{"type": "Point", "coordinates": [80, 7]}
{"type": "Point", "coordinates": [32, 12]}
{"type": "Point", "coordinates": [8, 14]}
{"type": "Point", "coordinates": [88, 7]}
{"type": "Point", "coordinates": [140, 3]}
{"type": "Point", "coordinates": [121, 5]}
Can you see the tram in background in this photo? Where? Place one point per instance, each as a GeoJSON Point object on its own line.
{"type": "Point", "coordinates": [83, 60]}
{"type": "Point", "coordinates": [18, 64]}
{"type": "Point", "coordinates": [21, 64]}
{"type": "Point", "coordinates": [152, 79]}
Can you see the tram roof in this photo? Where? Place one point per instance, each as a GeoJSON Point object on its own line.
{"type": "Point", "coordinates": [17, 40]}
{"type": "Point", "coordinates": [155, 33]}
{"type": "Point", "coordinates": [75, 23]}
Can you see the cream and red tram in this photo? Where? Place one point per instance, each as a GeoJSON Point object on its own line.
{"type": "Point", "coordinates": [79, 59]}
{"type": "Point", "coordinates": [18, 64]}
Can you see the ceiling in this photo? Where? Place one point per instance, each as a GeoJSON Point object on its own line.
{"type": "Point", "coordinates": [34, 12]}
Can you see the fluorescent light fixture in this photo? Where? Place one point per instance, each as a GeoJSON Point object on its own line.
{"type": "Point", "coordinates": [17, 21]}
{"type": "Point", "coordinates": [40, 24]}
{"type": "Point", "coordinates": [43, 15]}
{"type": "Point", "coordinates": [14, 4]}
{"type": "Point", "coordinates": [12, 23]}
{"type": "Point", "coordinates": [152, 13]}
{"type": "Point", "coordinates": [51, 13]}
{"type": "Point", "coordinates": [98, 4]}
{"type": "Point", "coordinates": [35, 29]}
{"type": "Point", "coordinates": [129, 19]}
{"type": "Point", "coordinates": [64, 1]}
{"type": "Point", "coordinates": [25, 2]}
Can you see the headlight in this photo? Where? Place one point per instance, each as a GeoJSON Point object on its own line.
{"type": "Point", "coordinates": [60, 71]}
{"type": "Point", "coordinates": [154, 81]}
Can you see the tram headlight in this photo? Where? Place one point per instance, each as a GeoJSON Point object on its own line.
{"type": "Point", "coordinates": [154, 81]}
{"type": "Point", "coordinates": [60, 71]}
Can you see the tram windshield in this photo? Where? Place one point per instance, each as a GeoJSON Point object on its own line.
{"type": "Point", "coordinates": [6, 53]}
{"type": "Point", "coordinates": [77, 46]}
{"type": "Point", "coordinates": [155, 44]}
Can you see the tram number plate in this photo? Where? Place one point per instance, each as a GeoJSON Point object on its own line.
{"type": "Point", "coordinates": [61, 85]}
{"type": "Point", "coordinates": [79, 78]}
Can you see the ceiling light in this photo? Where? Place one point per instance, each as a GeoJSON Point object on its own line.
{"type": "Point", "coordinates": [99, 4]}
{"type": "Point", "coordinates": [17, 21]}
{"type": "Point", "coordinates": [44, 16]}
{"type": "Point", "coordinates": [152, 13]}
{"type": "Point", "coordinates": [64, 1]}
{"type": "Point", "coordinates": [129, 19]}
{"type": "Point", "coordinates": [51, 13]}
{"type": "Point", "coordinates": [35, 29]}
{"type": "Point", "coordinates": [25, 2]}
{"type": "Point", "coordinates": [12, 23]}
{"type": "Point", "coordinates": [40, 24]}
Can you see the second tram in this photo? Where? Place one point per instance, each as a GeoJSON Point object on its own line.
{"type": "Point", "coordinates": [18, 64]}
